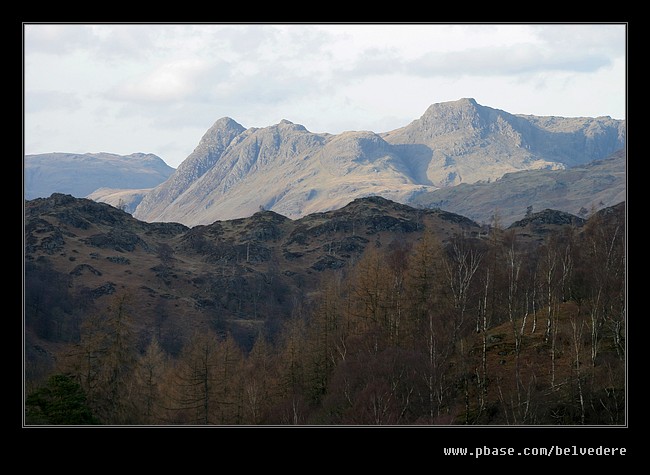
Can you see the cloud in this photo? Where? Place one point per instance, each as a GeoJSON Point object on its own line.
{"type": "Point", "coordinates": [606, 39]}
{"type": "Point", "coordinates": [38, 101]}
{"type": "Point", "coordinates": [124, 43]}
{"type": "Point", "coordinates": [510, 51]}
{"type": "Point", "coordinates": [171, 81]}
{"type": "Point", "coordinates": [234, 65]}
{"type": "Point", "coordinates": [56, 39]}
{"type": "Point", "coordinates": [511, 60]}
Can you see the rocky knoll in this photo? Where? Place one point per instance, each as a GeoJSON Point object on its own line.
{"type": "Point", "coordinates": [235, 172]}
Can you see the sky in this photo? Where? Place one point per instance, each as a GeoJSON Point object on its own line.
{"type": "Point", "coordinates": [157, 88]}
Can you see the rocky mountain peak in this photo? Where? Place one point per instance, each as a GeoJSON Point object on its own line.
{"type": "Point", "coordinates": [227, 122]}
{"type": "Point", "coordinates": [466, 103]}
{"type": "Point", "coordinates": [463, 114]}
{"type": "Point", "coordinates": [207, 153]}
{"type": "Point", "coordinates": [285, 124]}
{"type": "Point", "coordinates": [222, 132]}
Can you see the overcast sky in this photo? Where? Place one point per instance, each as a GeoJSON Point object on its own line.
{"type": "Point", "coordinates": [157, 88]}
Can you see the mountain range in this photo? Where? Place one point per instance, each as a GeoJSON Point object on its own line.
{"type": "Point", "coordinates": [235, 171]}
{"type": "Point", "coordinates": [460, 156]}
{"type": "Point", "coordinates": [82, 174]}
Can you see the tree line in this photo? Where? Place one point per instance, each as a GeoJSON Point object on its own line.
{"type": "Point", "coordinates": [496, 330]}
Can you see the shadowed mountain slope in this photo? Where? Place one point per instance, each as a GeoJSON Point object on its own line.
{"type": "Point", "coordinates": [579, 190]}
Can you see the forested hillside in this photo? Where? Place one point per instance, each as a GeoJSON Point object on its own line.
{"type": "Point", "coordinates": [516, 326]}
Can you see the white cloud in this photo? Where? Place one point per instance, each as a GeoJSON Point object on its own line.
{"type": "Point", "coordinates": [496, 51]}
{"type": "Point", "coordinates": [52, 100]}
{"type": "Point", "coordinates": [171, 82]}
{"type": "Point", "coordinates": [56, 39]}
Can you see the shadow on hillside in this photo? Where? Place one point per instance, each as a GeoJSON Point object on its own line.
{"type": "Point", "coordinates": [416, 159]}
